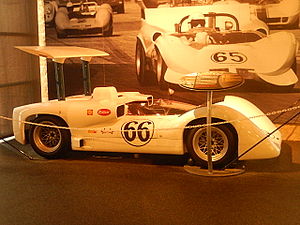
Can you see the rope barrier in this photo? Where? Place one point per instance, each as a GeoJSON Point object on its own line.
{"type": "Point", "coordinates": [187, 127]}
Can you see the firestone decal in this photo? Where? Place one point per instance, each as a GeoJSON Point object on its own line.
{"type": "Point", "coordinates": [138, 133]}
{"type": "Point", "coordinates": [228, 57]}
{"type": "Point", "coordinates": [103, 112]}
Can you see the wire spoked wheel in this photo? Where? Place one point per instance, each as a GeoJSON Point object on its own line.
{"type": "Point", "coordinates": [48, 141]}
{"type": "Point", "coordinates": [222, 145]}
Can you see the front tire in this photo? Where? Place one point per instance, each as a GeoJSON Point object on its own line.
{"type": "Point", "coordinates": [144, 76]}
{"type": "Point", "coordinates": [161, 69]}
{"type": "Point", "coordinates": [47, 141]}
{"type": "Point", "coordinates": [223, 146]}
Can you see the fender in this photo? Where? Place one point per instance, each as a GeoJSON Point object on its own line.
{"type": "Point", "coordinates": [104, 15]}
{"type": "Point", "coordinates": [22, 113]}
{"type": "Point", "coordinates": [249, 131]}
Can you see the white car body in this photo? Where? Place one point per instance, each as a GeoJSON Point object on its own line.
{"type": "Point", "coordinates": [252, 54]}
{"type": "Point", "coordinates": [166, 15]}
{"type": "Point", "coordinates": [84, 18]}
{"type": "Point", "coordinates": [111, 121]}
{"type": "Point", "coordinates": [279, 12]}
{"type": "Point", "coordinates": [104, 132]}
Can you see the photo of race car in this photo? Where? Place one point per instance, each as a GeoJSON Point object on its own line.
{"type": "Point", "coordinates": [109, 121]}
{"type": "Point", "coordinates": [118, 6]}
{"type": "Point", "coordinates": [195, 41]}
{"type": "Point", "coordinates": [85, 17]}
{"type": "Point", "coordinates": [280, 13]}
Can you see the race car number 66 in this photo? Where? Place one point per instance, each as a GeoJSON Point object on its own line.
{"type": "Point", "coordinates": [138, 133]}
{"type": "Point", "coordinates": [229, 57]}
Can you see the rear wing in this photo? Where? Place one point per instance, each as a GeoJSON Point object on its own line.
{"type": "Point", "coordinates": [59, 54]}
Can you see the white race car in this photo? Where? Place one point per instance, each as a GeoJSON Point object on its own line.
{"type": "Point", "coordinates": [111, 121]}
{"type": "Point", "coordinates": [285, 13]}
{"type": "Point", "coordinates": [192, 42]}
{"type": "Point", "coordinates": [84, 18]}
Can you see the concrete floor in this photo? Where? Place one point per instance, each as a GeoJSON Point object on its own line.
{"type": "Point", "coordinates": [120, 189]}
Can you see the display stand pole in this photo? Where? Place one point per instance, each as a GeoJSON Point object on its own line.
{"type": "Point", "coordinates": [209, 82]}
{"type": "Point", "coordinates": [208, 131]}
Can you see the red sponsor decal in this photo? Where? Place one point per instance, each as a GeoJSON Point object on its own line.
{"type": "Point", "coordinates": [89, 112]}
{"type": "Point", "coordinates": [104, 112]}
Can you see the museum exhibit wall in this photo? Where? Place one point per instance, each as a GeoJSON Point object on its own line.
{"type": "Point", "coordinates": [19, 73]}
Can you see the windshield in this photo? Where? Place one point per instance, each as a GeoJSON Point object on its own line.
{"type": "Point", "coordinates": [159, 107]}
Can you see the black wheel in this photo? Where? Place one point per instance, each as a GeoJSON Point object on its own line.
{"type": "Point", "coordinates": [161, 69]}
{"type": "Point", "coordinates": [223, 146]}
{"type": "Point", "coordinates": [144, 76]}
{"type": "Point", "coordinates": [109, 31]}
{"type": "Point", "coordinates": [47, 141]}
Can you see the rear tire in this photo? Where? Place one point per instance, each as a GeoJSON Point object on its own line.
{"type": "Point", "coordinates": [47, 141]}
{"type": "Point", "coordinates": [223, 146]}
{"type": "Point", "coordinates": [144, 76]}
{"type": "Point", "coordinates": [109, 32]}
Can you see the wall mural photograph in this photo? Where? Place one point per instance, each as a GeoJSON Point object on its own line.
{"type": "Point", "coordinates": [182, 51]}
{"type": "Point", "coordinates": [135, 111]}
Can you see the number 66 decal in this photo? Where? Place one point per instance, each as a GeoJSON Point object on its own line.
{"type": "Point", "coordinates": [228, 57]}
{"type": "Point", "coordinates": [138, 133]}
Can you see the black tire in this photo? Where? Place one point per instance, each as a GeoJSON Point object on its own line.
{"type": "Point", "coordinates": [109, 32]}
{"type": "Point", "coordinates": [223, 144]}
{"type": "Point", "coordinates": [161, 69]}
{"type": "Point", "coordinates": [49, 142]}
{"type": "Point", "coordinates": [145, 77]}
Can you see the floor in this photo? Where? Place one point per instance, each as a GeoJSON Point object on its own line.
{"type": "Point", "coordinates": [129, 189]}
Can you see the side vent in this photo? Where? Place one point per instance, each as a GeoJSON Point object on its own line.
{"type": "Point", "coordinates": [120, 110]}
